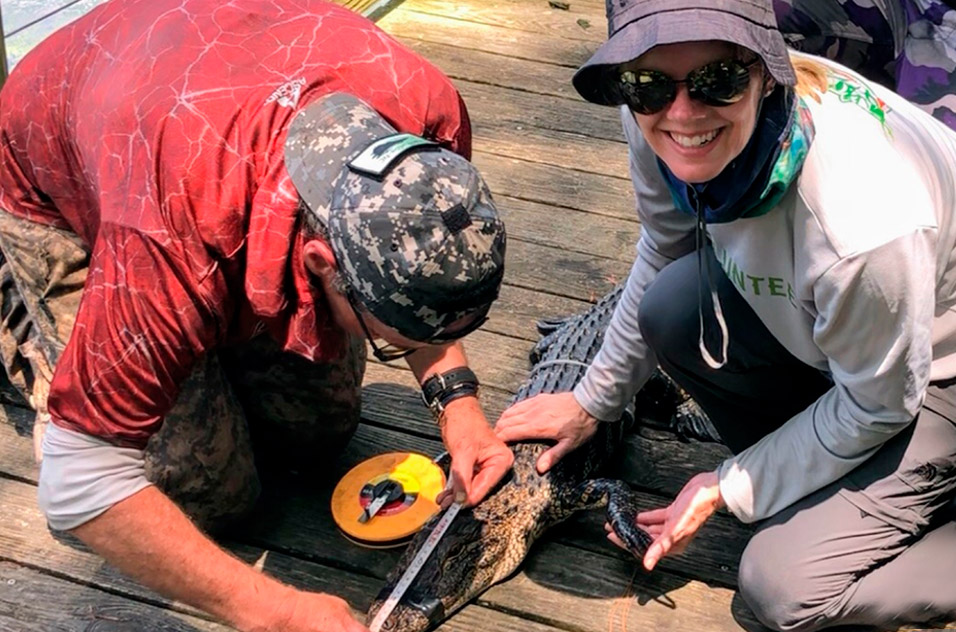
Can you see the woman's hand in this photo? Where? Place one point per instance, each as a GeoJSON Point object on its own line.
{"type": "Point", "coordinates": [674, 526]}
{"type": "Point", "coordinates": [557, 417]}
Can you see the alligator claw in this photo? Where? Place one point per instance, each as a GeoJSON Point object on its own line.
{"type": "Point", "coordinates": [622, 510]}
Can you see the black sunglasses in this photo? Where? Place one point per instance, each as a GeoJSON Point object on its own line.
{"type": "Point", "coordinates": [718, 83]}
{"type": "Point", "coordinates": [388, 351]}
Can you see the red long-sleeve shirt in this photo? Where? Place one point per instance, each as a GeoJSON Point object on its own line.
{"type": "Point", "coordinates": [154, 129]}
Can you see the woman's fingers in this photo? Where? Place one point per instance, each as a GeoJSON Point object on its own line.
{"type": "Point", "coordinates": [658, 549]}
{"type": "Point", "coordinates": [612, 537]}
{"type": "Point", "coordinates": [647, 519]}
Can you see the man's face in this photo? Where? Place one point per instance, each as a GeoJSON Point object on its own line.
{"type": "Point", "coordinates": [351, 319]}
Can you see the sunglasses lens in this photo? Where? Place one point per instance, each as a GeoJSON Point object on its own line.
{"type": "Point", "coordinates": [647, 91]}
{"type": "Point", "coordinates": [717, 84]}
{"type": "Point", "coordinates": [720, 83]}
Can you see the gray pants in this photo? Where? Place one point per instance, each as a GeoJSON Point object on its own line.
{"type": "Point", "coordinates": [242, 407]}
{"type": "Point", "coordinates": [877, 547]}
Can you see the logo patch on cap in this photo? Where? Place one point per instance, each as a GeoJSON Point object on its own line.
{"type": "Point", "coordinates": [376, 159]}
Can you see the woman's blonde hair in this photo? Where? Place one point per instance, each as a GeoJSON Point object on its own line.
{"type": "Point", "coordinates": [811, 77]}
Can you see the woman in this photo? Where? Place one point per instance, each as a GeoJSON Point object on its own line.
{"type": "Point", "coordinates": [796, 274]}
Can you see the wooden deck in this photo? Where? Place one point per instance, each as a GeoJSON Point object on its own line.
{"type": "Point", "coordinates": [557, 167]}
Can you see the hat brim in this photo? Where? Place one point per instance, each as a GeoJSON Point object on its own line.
{"type": "Point", "coordinates": [596, 80]}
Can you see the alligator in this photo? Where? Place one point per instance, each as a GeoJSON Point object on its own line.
{"type": "Point", "coordinates": [486, 543]}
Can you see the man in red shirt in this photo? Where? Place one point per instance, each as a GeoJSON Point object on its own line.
{"type": "Point", "coordinates": [205, 211]}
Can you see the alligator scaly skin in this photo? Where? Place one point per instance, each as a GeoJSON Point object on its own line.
{"type": "Point", "coordinates": [487, 543]}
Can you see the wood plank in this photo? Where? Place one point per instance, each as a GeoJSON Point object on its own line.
{"type": "Point", "coordinates": [552, 49]}
{"type": "Point", "coordinates": [653, 601]}
{"type": "Point", "coordinates": [659, 465]}
{"type": "Point", "coordinates": [306, 529]}
{"type": "Point", "coordinates": [530, 140]}
{"type": "Point", "coordinates": [567, 230]}
{"type": "Point", "coordinates": [533, 18]}
{"type": "Point", "coordinates": [517, 311]}
{"type": "Point", "coordinates": [296, 519]}
{"type": "Point", "coordinates": [478, 66]}
{"type": "Point", "coordinates": [535, 592]}
{"type": "Point", "coordinates": [372, 9]}
{"type": "Point", "coordinates": [32, 601]}
{"type": "Point", "coordinates": [659, 461]}
{"type": "Point", "coordinates": [571, 274]}
{"type": "Point", "coordinates": [543, 111]}
{"type": "Point", "coordinates": [555, 186]}
{"type": "Point", "coordinates": [16, 442]}
{"type": "Point", "coordinates": [302, 521]}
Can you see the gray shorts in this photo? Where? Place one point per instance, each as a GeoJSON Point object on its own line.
{"type": "Point", "coordinates": [243, 406]}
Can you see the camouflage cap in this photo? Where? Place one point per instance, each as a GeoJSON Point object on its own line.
{"type": "Point", "coordinates": [413, 226]}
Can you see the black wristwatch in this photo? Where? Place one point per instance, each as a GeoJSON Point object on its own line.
{"type": "Point", "coordinates": [441, 388]}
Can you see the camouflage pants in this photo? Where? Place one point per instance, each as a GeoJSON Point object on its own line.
{"type": "Point", "coordinates": [906, 45]}
{"type": "Point", "coordinates": [291, 411]}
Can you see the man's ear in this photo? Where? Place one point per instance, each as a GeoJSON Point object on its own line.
{"type": "Point", "coordinates": [319, 259]}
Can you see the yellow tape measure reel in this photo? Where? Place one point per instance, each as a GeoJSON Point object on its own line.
{"type": "Point", "coordinates": [402, 486]}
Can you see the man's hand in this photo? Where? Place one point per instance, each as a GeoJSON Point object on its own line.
{"type": "Point", "coordinates": [312, 612]}
{"type": "Point", "coordinates": [479, 459]}
{"type": "Point", "coordinates": [557, 417]}
{"type": "Point", "coordinates": [674, 526]}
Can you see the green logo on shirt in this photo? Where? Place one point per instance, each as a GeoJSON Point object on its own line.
{"type": "Point", "coordinates": [851, 91]}
{"type": "Point", "coordinates": [753, 284]}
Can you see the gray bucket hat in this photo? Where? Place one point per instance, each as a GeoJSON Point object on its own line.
{"type": "Point", "coordinates": [636, 26]}
{"type": "Point", "coordinates": [413, 226]}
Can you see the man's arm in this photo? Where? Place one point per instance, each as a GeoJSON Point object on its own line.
{"type": "Point", "coordinates": [147, 537]}
{"type": "Point", "coordinates": [99, 492]}
{"type": "Point", "coordinates": [479, 458]}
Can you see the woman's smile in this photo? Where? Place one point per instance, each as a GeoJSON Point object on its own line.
{"type": "Point", "coordinates": [696, 140]}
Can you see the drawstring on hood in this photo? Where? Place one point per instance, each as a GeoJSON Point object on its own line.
{"type": "Point", "coordinates": [703, 271]}
{"type": "Point", "coordinates": [750, 186]}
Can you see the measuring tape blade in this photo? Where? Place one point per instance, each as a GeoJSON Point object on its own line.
{"type": "Point", "coordinates": [415, 567]}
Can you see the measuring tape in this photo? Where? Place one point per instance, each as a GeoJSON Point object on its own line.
{"type": "Point", "coordinates": [415, 567]}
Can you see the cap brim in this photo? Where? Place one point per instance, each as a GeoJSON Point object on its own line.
{"type": "Point", "coordinates": [596, 80]}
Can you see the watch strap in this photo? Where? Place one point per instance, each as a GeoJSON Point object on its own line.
{"type": "Point", "coordinates": [439, 389]}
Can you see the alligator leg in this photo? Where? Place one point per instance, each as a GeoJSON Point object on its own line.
{"type": "Point", "coordinates": [622, 507]}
